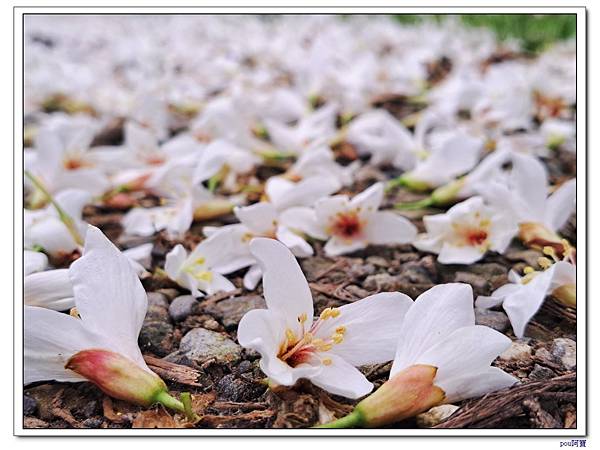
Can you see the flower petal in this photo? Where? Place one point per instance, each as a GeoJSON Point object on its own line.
{"type": "Point", "coordinates": [260, 218]}
{"type": "Point", "coordinates": [372, 328]}
{"type": "Point", "coordinates": [50, 339]}
{"type": "Point", "coordinates": [336, 246]}
{"type": "Point", "coordinates": [467, 350]}
{"type": "Point", "coordinates": [252, 277]}
{"type": "Point", "coordinates": [285, 289]}
{"type": "Point", "coordinates": [464, 254]}
{"type": "Point", "coordinates": [470, 385]}
{"type": "Point", "coordinates": [51, 289]}
{"type": "Point", "coordinates": [115, 309]}
{"type": "Point", "coordinates": [369, 200]}
{"type": "Point", "coordinates": [298, 246]}
{"type": "Point", "coordinates": [434, 315]}
{"type": "Point", "coordinates": [560, 205]}
{"type": "Point", "coordinates": [33, 262]}
{"type": "Point", "coordinates": [305, 220]}
{"type": "Point", "coordinates": [530, 180]}
{"type": "Point", "coordinates": [386, 227]}
{"type": "Point", "coordinates": [342, 378]}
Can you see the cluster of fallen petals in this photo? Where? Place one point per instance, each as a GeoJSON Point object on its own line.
{"type": "Point", "coordinates": [274, 125]}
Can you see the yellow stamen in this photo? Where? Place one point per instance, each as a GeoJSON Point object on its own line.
{"type": "Point", "coordinates": [544, 263]}
{"type": "Point", "coordinates": [337, 338]}
{"type": "Point", "coordinates": [340, 330]}
{"type": "Point", "coordinates": [527, 270]}
{"type": "Point", "coordinates": [302, 318]}
{"type": "Point", "coordinates": [548, 250]}
{"type": "Point", "coordinates": [290, 336]}
{"type": "Point", "coordinates": [326, 314]}
{"type": "Point", "coordinates": [326, 361]}
{"type": "Point", "coordinates": [204, 275]}
{"type": "Point", "coordinates": [335, 312]}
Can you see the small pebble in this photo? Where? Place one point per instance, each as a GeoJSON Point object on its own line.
{"type": "Point", "coordinates": [517, 350]}
{"type": "Point", "coordinates": [181, 307]}
{"type": "Point", "coordinates": [200, 345]}
{"type": "Point", "coordinates": [564, 350]}
{"type": "Point", "coordinates": [435, 416]}
{"type": "Point", "coordinates": [29, 405]}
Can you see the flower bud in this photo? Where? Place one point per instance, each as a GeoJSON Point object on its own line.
{"type": "Point", "coordinates": [448, 193]}
{"type": "Point", "coordinates": [567, 295]}
{"type": "Point", "coordinates": [212, 209]}
{"type": "Point", "coordinates": [118, 376]}
{"type": "Point", "coordinates": [413, 184]}
{"type": "Point", "coordinates": [405, 395]}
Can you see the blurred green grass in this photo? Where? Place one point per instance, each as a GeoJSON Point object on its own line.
{"type": "Point", "coordinates": [534, 31]}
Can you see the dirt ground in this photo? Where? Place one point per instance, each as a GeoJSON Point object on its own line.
{"type": "Point", "coordinates": [225, 381]}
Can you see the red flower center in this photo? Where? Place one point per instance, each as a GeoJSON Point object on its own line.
{"type": "Point", "coordinates": [476, 237]}
{"type": "Point", "coordinates": [347, 225]}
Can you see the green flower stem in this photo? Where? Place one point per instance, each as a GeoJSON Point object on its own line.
{"type": "Point", "coordinates": [426, 202]}
{"type": "Point", "coordinates": [62, 214]}
{"type": "Point", "coordinates": [353, 420]}
{"type": "Point", "coordinates": [165, 399]}
{"type": "Point", "coordinates": [186, 399]}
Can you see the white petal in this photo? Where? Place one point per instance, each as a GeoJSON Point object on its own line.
{"type": "Point", "coordinates": [502, 231]}
{"type": "Point", "coordinates": [386, 227]}
{"type": "Point", "coordinates": [284, 194]}
{"type": "Point", "coordinates": [470, 385]}
{"type": "Point", "coordinates": [252, 277]}
{"type": "Point", "coordinates": [560, 205]}
{"type": "Point", "coordinates": [108, 294]}
{"type": "Point", "coordinates": [434, 315]}
{"type": "Point", "coordinates": [219, 283]}
{"type": "Point", "coordinates": [522, 305]}
{"type": "Point", "coordinates": [304, 220]}
{"type": "Point", "coordinates": [298, 246]}
{"type": "Point", "coordinates": [174, 261]}
{"type": "Point", "coordinates": [141, 254]}
{"type": "Point", "coordinates": [467, 350]}
{"type": "Point", "coordinates": [260, 218]}
{"type": "Point", "coordinates": [33, 262]}
{"type": "Point", "coordinates": [51, 289]}
{"type": "Point", "coordinates": [342, 378]}
{"type": "Point", "coordinates": [464, 254]}
{"type": "Point", "coordinates": [327, 208]}
{"type": "Point", "coordinates": [50, 338]}
{"type": "Point", "coordinates": [369, 199]}
{"type": "Point", "coordinates": [372, 328]}
{"type": "Point", "coordinates": [529, 177]}
{"type": "Point", "coordinates": [52, 235]}
{"type": "Point", "coordinates": [139, 222]}
{"type": "Point", "coordinates": [285, 289]}
{"type": "Point", "coordinates": [337, 246]}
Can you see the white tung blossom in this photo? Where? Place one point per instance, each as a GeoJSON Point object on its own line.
{"type": "Point", "coordinates": [326, 350]}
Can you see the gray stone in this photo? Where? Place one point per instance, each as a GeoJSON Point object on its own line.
{"type": "Point", "coordinates": [231, 310]}
{"type": "Point", "coordinates": [156, 337]}
{"type": "Point", "coordinates": [435, 416]}
{"type": "Point", "coordinates": [200, 345]}
{"type": "Point", "coordinates": [541, 373]}
{"type": "Point", "coordinates": [381, 282]}
{"type": "Point", "coordinates": [158, 307]}
{"type": "Point", "coordinates": [479, 283]}
{"type": "Point", "coordinates": [169, 293]}
{"type": "Point", "coordinates": [497, 320]}
{"type": "Point", "coordinates": [181, 307]}
{"type": "Point", "coordinates": [517, 350]}
{"type": "Point", "coordinates": [29, 405]}
{"type": "Point", "coordinates": [235, 389]}
{"type": "Point", "coordinates": [564, 350]}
